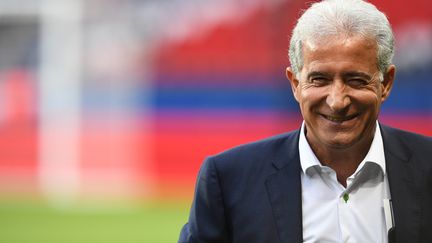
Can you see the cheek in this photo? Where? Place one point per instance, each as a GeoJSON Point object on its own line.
{"type": "Point", "coordinates": [368, 101]}
{"type": "Point", "coordinates": [312, 97]}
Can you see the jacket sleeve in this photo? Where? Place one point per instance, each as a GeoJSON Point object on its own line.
{"type": "Point", "coordinates": [207, 221]}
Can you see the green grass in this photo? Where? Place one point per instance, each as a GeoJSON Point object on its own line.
{"type": "Point", "coordinates": [24, 221]}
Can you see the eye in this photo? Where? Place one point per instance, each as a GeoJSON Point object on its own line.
{"type": "Point", "coordinates": [357, 82]}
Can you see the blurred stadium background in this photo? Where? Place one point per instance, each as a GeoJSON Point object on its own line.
{"type": "Point", "coordinates": [108, 107]}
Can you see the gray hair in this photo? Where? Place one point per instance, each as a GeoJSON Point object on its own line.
{"type": "Point", "coordinates": [335, 17]}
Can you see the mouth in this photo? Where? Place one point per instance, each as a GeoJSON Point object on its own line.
{"type": "Point", "coordinates": [339, 119]}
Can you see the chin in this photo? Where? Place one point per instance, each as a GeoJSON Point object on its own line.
{"type": "Point", "coordinates": [340, 145]}
{"type": "Point", "coordinates": [342, 142]}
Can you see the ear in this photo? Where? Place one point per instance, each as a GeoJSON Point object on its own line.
{"type": "Point", "coordinates": [293, 81]}
{"type": "Point", "coordinates": [387, 83]}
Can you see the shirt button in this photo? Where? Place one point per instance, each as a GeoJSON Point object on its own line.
{"type": "Point", "coordinates": [345, 197]}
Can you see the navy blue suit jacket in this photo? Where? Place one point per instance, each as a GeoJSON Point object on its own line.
{"type": "Point", "coordinates": [252, 193]}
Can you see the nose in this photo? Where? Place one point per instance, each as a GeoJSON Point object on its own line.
{"type": "Point", "coordinates": [338, 98]}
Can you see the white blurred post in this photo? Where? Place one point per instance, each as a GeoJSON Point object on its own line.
{"type": "Point", "coordinates": [60, 96]}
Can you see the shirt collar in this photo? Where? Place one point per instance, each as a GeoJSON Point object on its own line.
{"type": "Point", "coordinates": [376, 151]}
{"type": "Point", "coordinates": [309, 160]}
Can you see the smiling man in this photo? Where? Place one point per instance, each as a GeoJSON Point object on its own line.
{"type": "Point", "coordinates": [340, 90]}
{"type": "Point", "coordinates": [343, 176]}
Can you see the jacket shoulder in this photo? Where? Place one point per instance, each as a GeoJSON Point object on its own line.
{"type": "Point", "coordinates": [264, 148]}
{"type": "Point", "coordinates": [409, 139]}
{"type": "Point", "coordinates": [256, 159]}
{"type": "Point", "coordinates": [404, 144]}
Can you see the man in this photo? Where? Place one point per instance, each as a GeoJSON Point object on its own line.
{"type": "Point", "coordinates": [342, 177]}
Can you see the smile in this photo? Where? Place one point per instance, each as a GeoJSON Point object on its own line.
{"type": "Point", "coordinates": [339, 119]}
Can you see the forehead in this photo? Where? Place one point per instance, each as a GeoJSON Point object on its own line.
{"type": "Point", "coordinates": [340, 53]}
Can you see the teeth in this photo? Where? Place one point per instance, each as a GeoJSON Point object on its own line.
{"type": "Point", "coordinates": [334, 119]}
{"type": "Point", "coordinates": [338, 119]}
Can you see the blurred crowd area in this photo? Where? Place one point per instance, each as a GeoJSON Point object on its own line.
{"type": "Point", "coordinates": [123, 99]}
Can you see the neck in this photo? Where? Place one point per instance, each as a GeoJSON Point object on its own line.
{"type": "Point", "coordinates": [343, 160]}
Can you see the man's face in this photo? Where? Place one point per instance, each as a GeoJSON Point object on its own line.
{"type": "Point", "coordinates": [339, 90]}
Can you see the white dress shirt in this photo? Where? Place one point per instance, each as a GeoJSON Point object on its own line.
{"type": "Point", "coordinates": [327, 216]}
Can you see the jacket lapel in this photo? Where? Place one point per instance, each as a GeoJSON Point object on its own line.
{"type": "Point", "coordinates": [284, 190]}
{"type": "Point", "coordinates": [405, 187]}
